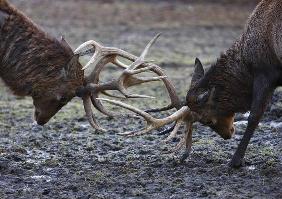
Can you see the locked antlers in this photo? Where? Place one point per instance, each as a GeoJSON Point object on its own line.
{"type": "Point", "coordinates": [104, 55]}
{"type": "Point", "coordinates": [183, 115]}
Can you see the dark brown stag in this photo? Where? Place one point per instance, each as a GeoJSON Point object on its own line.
{"type": "Point", "coordinates": [243, 79]}
{"type": "Point", "coordinates": [32, 63]}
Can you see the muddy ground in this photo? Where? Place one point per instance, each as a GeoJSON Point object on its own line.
{"type": "Point", "coordinates": [68, 159]}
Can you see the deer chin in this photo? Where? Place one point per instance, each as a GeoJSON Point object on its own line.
{"type": "Point", "coordinates": [226, 134]}
{"type": "Point", "coordinates": [41, 122]}
{"type": "Point", "coordinates": [40, 119]}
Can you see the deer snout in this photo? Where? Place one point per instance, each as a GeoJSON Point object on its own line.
{"type": "Point", "coordinates": [227, 133]}
{"type": "Point", "coordinates": [225, 127]}
{"type": "Point", "coordinates": [40, 120]}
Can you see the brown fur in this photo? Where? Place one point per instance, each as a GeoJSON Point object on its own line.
{"type": "Point", "coordinates": [244, 77]}
{"type": "Point", "coordinates": [36, 64]}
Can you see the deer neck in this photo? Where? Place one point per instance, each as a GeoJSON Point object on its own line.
{"type": "Point", "coordinates": [232, 79]}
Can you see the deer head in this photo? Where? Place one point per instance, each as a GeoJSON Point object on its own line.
{"type": "Point", "coordinates": [92, 86]}
{"type": "Point", "coordinates": [201, 107]}
{"type": "Point", "coordinates": [201, 99]}
{"type": "Point", "coordinates": [58, 87]}
{"type": "Point", "coordinates": [52, 93]}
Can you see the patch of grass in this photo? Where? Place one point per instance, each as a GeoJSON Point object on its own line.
{"type": "Point", "coordinates": [266, 151]}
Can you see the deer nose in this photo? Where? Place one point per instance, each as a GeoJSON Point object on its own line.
{"type": "Point", "coordinates": [38, 118]}
{"type": "Point", "coordinates": [228, 133]}
{"type": "Point", "coordinates": [41, 122]}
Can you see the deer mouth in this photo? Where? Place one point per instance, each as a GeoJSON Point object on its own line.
{"type": "Point", "coordinates": [228, 134]}
{"type": "Point", "coordinates": [39, 119]}
{"type": "Point", "coordinates": [41, 122]}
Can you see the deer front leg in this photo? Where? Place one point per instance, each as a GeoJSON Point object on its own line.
{"type": "Point", "coordinates": [262, 92]}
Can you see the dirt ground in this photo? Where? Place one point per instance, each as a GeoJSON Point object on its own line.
{"type": "Point", "coordinates": [68, 159]}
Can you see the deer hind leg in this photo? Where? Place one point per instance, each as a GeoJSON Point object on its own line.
{"type": "Point", "coordinates": [262, 91]}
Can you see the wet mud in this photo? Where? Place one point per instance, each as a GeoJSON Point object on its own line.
{"type": "Point", "coordinates": [68, 159]}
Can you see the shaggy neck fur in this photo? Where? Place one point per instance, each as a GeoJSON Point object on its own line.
{"type": "Point", "coordinates": [232, 79]}
{"type": "Point", "coordinates": [30, 59]}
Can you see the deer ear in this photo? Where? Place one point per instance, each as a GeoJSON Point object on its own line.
{"type": "Point", "coordinates": [66, 45]}
{"type": "Point", "coordinates": [198, 72]}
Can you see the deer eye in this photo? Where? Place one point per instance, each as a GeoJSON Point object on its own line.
{"type": "Point", "coordinates": [203, 98]}
{"type": "Point", "coordinates": [210, 123]}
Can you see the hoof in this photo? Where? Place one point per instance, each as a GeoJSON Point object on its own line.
{"type": "Point", "coordinates": [237, 163]}
{"type": "Point", "coordinates": [184, 156]}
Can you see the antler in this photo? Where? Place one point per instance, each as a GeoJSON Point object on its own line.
{"type": "Point", "coordinates": [183, 115]}
{"type": "Point", "coordinates": [104, 55]}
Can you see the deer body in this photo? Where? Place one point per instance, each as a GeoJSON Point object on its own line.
{"type": "Point", "coordinates": [243, 79]}
{"type": "Point", "coordinates": [32, 63]}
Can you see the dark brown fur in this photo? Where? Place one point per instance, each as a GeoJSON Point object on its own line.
{"type": "Point", "coordinates": [34, 63]}
{"type": "Point", "coordinates": [243, 78]}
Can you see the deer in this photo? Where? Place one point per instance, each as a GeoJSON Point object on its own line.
{"type": "Point", "coordinates": [34, 63]}
{"type": "Point", "coordinates": [242, 79]}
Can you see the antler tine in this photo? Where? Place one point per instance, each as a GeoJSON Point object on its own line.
{"type": "Point", "coordinates": [89, 113]}
{"type": "Point", "coordinates": [153, 123]}
{"type": "Point", "coordinates": [183, 115]}
{"type": "Point", "coordinates": [174, 131]}
{"type": "Point", "coordinates": [126, 80]}
{"type": "Point", "coordinates": [145, 115]}
{"type": "Point", "coordinates": [149, 45]}
{"type": "Point", "coordinates": [113, 53]}
{"type": "Point", "coordinates": [99, 106]}
{"type": "Point", "coordinates": [104, 55]}
{"type": "Point", "coordinates": [141, 60]}
{"type": "Point", "coordinates": [185, 141]}
{"type": "Point", "coordinates": [112, 95]}
{"type": "Point", "coordinates": [98, 51]}
{"type": "Point", "coordinates": [113, 85]}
